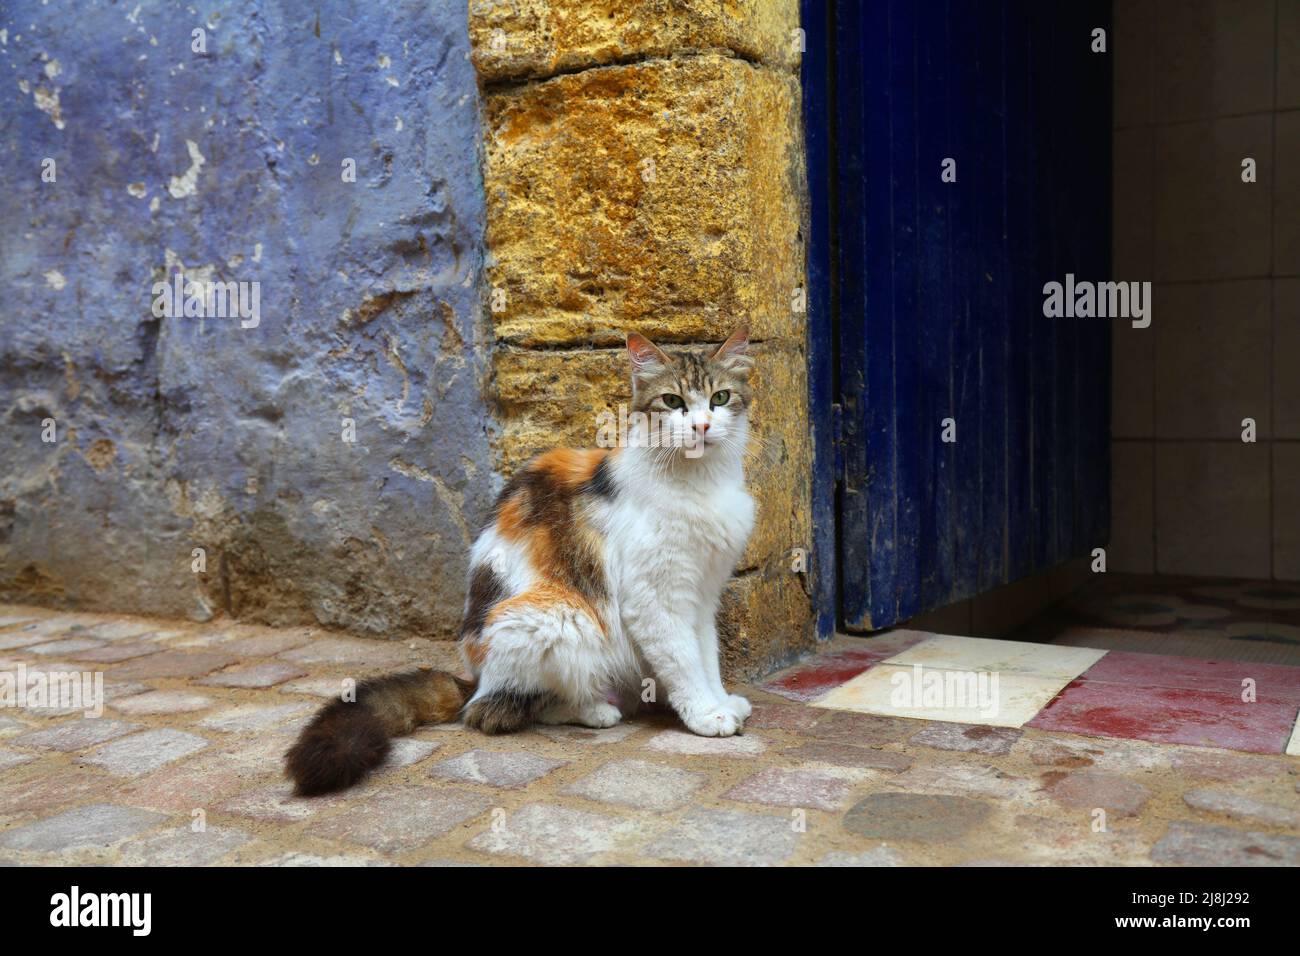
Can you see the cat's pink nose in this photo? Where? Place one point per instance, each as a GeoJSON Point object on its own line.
{"type": "Point", "coordinates": [701, 427]}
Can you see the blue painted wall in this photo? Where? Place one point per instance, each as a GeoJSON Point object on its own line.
{"type": "Point", "coordinates": [178, 433]}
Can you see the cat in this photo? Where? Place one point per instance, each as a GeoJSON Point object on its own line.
{"type": "Point", "coordinates": [597, 569]}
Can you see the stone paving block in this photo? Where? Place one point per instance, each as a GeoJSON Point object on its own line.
{"type": "Point", "coordinates": [727, 838]}
{"type": "Point", "coordinates": [392, 821]}
{"type": "Point", "coordinates": [569, 733]}
{"type": "Point", "coordinates": [162, 702]}
{"type": "Point", "coordinates": [120, 630]}
{"type": "Point", "coordinates": [249, 718]}
{"type": "Point", "coordinates": [693, 745]}
{"type": "Point", "coordinates": [968, 738]}
{"type": "Point", "coordinates": [967, 779]}
{"type": "Point", "coordinates": [1090, 789]}
{"type": "Point", "coordinates": [98, 825]}
{"type": "Point", "coordinates": [12, 758]}
{"type": "Point", "coordinates": [212, 776]}
{"type": "Point", "coordinates": [13, 620]}
{"type": "Point", "coordinates": [511, 769]}
{"type": "Point", "coordinates": [66, 646]}
{"type": "Point", "coordinates": [113, 653]}
{"type": "Point", "coordinates": [843, 755]}
{"type": "Point", "coordinates": [268, 644]}
{"type": "Point", "coordinates": [277, 802]}
{"type": "Point", "coordinates": [1217, 765]}
{"type": "Point", "coordinates": [49, 791]}
{"type": "Point", "coordinates": [296, 859]}
{"type": "Point", "coordinates": [183, 846]}
{"type": "Point", "coordinates": [555, 836]}
{"type": "Point", "coordinates": [636, 783]}
{"type": "Point", "coordinates": [174, 664]}
{"type": "Point", "coordinates": [75, 734]}
{"type": "Point", "coordinates": [1241, 807]}
{"type": "Point", "coordinates": [145, 751]}
{"type": "Point", "coordinates": [9, 726]}
{"type": "Point", "coordinates": [265, 674]}
{"type": "Point", "coordinates": [916, 816]}
{"type": "Point", "coordinates": [13, 640]}
{"type": "Point", "coordinates": [862, 730]}
{"type": "Point", "coordinates": [333, 650]}
{"type": "Point", "coordinates": [780, 787]}
{"type": "Point", "coordinates": [795, 717]}
{"type": "Point", "coordinates": [1186, 843]}
{"type": "Point", "coordinates": [409, 750]}
{"type": "Point", "coordinates": [880, 856]}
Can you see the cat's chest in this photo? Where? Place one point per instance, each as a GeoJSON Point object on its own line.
{"type": "Point", "coordinates": [716, 524]}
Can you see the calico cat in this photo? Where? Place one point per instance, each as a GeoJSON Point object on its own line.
{"type": "Point", "coordinates": [598, 569]}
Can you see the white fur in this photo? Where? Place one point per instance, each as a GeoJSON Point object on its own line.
{"type": "Point", "coordinates": [674, 530]}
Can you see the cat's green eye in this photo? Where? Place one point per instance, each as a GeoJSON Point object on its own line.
{"type": "Point", "coordinates": [673, 401]}
{"type": "Point", "coordinates": [720, 398]}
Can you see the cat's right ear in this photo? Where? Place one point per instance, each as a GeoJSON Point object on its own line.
{"type": "Point", "coordinates": [647, 359]}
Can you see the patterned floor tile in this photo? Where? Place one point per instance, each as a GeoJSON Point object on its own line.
{"type": "Point", "coordinates": [1005, 699]}
{"type": "Point", "coordinates": [1169, 715]}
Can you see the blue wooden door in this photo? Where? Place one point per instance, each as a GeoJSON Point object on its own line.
{"type": "Point", "coordinates": [971, 436]}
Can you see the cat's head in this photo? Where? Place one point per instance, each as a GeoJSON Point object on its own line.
{"type": "Point", "coordinates": [700, 398]}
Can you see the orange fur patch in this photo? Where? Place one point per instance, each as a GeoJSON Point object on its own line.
{"type": "Point", "coordinates": [542, 597]}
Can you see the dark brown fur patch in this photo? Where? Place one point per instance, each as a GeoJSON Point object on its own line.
{"type": "Point", "coordinates": [485, 590]}
{"type": "Point", "coordinates": [346, 739]}
{"type": "Point", "coordinates": [506, 711]}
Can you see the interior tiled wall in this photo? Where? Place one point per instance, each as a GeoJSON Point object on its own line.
{"type": "Point", "coordinates": [1201, 85]}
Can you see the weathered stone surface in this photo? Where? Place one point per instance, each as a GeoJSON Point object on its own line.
{"type": "Point", "coordinates": [277, 802]}
{"type": "Point", "coordinates": [75, 734]}
{"type": "Point", "coordinates": [176, 433]}
{"type": "Point", "coordinates": [635, 783]}
{"type": "Point", "coordinates": [915, 816]}
{"type": "Point", "coordinates": [537, 38]}
{"type": "Point", "coordinates": [727, 838]}
{"type": "Point", "coordinates": [263, 674]}
{"type": "Point", "coordinates": [556, 836]}
{"type": "Point", "coordinates": [12, 758]}
{"type": "Point", "coordinates": [146, 751]}
{"type": "Point", "coordinates": [98, 825]}
{"type": "Point", "coordinates": [779, 787]}
{"type": "Point", "coordinates": [511, 769]}
{"type": "Point", "coordinates": [1090, 789]}
{"type": "Point", "coordinates": [693, 745]}
{"type": "Point", "coordinates": [880, 856]}
{"type": "Point", "coordinates": [968, 738]}
{"type": "Point", "coordinates": [588, 241]}
{"type": "Point", "coordinates": [163, 702]}
{"type": "Point", "coordinates": [184, 846]}
{"type": "Point", "coordinates": [765, 620]}
{"type": "Point", "coordinates": [175, 664]}
{"type": "Point", "coordinates": [248, 718]}
{"type": "Point", "coordinates": [844, 755]}
{"type": "Point", "coordinates": [1241, 807]}
{"type": "Point", "coordinates": [1195, 844]}
{"type": "Point", "coordinates": [395, 820]}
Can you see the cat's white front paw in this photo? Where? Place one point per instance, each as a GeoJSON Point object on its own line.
{"type": "Point", "coordinates": [739, 706]}
{"type": "Point", "coordinates": [712, 722]}
{"type": "Point", "coordinates": [599, 715]}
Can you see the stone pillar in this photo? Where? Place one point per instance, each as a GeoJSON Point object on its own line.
{"type": "Point", "coordinates": [643, 168]}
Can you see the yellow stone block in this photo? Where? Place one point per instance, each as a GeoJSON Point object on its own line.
{"type": "Point", "coordinates": [660, 196]}
{"type": "Point", "coordinates": [514, 39]}
{"type": "Point", "coordinates": [766, 621]}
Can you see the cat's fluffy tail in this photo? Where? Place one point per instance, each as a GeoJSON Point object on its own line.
{"type": "Point", "coordinates": [347, 739]}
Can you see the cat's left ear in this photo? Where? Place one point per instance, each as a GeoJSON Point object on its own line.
{"type": "Point", "coordinates": [734, 353]}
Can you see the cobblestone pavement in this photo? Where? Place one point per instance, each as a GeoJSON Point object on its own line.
{"type": "Point", "coordinates": [183, 767]}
